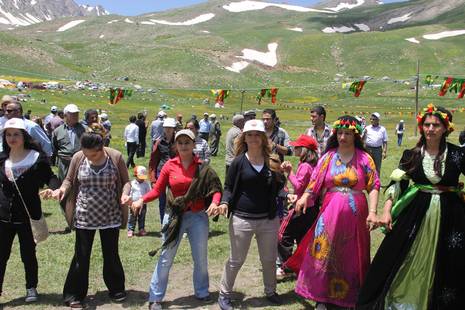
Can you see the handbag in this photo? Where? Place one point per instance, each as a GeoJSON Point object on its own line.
{"type": "Point", "coordinates": [39, 227]}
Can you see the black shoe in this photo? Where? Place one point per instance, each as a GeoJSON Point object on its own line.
{"type": "Point", "coordinates": [225, 303]}
{"type": "Point", "coordinates": [76, 304]}
{"type": "Point", "coordinates": [118, 297]}
{"type": "Point", "coordinates": [204, 299]}
{"type": "Point", "coordinates": [67, 230]}
{"type": "Point", "coordinates": [274, 299]}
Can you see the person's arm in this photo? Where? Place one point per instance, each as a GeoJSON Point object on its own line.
{"type": "Point", "coordinates": [385, 141]}
{"type": "Point", "coordinates": [40, 136]}
{"type": "Point", "coordinates": [300, 180]}
{"type": "Point", "coordinates": [137, 134]}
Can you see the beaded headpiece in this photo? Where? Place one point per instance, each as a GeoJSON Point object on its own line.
{"type": "Point", "coordinates": [347, 122]}
{"type": "Point", "coordinates": [431, 109]}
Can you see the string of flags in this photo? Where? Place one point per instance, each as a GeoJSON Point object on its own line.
{"type": "Point", "coordinates": [268, 92]}
{"type": "Point", "coordinates": [116, 94]}
{"type": "Point", "coordinates": [452, 84]}
{"type": "Point", "coordinates": [356, 87]}
{"type": "Point", "coordinates": [220, 95]}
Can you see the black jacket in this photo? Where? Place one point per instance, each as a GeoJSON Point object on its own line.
{"type": "Point", "coordinates": [230, 194]}
{"type": "Point", "coordinates": [29, 183]}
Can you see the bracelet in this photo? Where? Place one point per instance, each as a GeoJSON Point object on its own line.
{"type": "Point", "coordinates": [373, 211]}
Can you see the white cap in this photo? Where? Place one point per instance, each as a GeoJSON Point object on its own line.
{"type": "Point", "coordinates": [161, 114]}
{"type": "Point", "coordinates": [401, 120]}
{"type": "Point", "coordinates": [185, 132]}
{"type": "Point", "coordinates": [17, 123]}
{"type": "Point", "coordinates": [205, 114]}
{"type": "Point", "coordinates": [254, 125]}
{"type": "Point", "coordinates": [376, 114]}
{"type": "Point", "coordinates": [213, 116]}
{"type": "Point", "coordinates": [8, 98]}
{"type": "Point", "coordinates": [140, 172]}
{"type": "Point", "coordinates": [169, 122]}
{"type": "Point", "coordinates": [104, 116]}
{"type": "Point", "coordinates": [71, 108]}
{"type": "Point", "coordinates": [53, 108]}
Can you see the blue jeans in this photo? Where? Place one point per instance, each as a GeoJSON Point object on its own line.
{"type": "Point", "coordinates": [399, 139]}
{"type": "Point", "coordinates": [196, 227]}
{"type": "Point", "coordinates": [162, 206]}
{"type": "Point", "coordinates": [140, 219]}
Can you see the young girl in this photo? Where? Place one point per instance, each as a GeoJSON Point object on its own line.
{"type": "Point", "coordinates": [295, 226]}
{"type": "Point", "coordinates": [139, 187]}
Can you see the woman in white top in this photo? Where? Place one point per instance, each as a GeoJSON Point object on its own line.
{"type": "Point", "coordinates": [22, 162]}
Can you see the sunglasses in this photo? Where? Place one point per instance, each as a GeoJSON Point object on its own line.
{"type": "Point", "coordinates": [11, 110]}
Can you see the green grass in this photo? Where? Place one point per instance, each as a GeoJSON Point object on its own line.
{"type": "Point", "coordinates": [55, 254]}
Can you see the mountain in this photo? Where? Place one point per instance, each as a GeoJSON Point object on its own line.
{"type": "Point", "coordinates": [341, 5]}
{"type": "Point", "coordinates": [15, 13]}
{"type": "Point", "coordinates": [221, 43]}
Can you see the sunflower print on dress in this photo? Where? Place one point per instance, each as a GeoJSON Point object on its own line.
{"type": "Point", "coordinates": [338, 288]}
{"type": "Point", "coordinates": [320, 247]}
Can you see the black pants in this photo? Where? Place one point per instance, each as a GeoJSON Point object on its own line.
{"type": "Point", "coordinates": [295, 231]}
{"type": "Point", "coordinates": [141, 148]}
{"type": "Point", "coordinates": [214, 145]}
{"type": "Point", "coordinates": [77, 281]}
{"type": "Point", "coordinates": [204, 135]}
{"type": "Point", "coordinates": [27, 249]}
{"type": "Point", "coordinates": [132, 148]}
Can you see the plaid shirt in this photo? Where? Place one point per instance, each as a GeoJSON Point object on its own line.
{"type": "Point", "coordinates": [323, 139]}
{"type": "Point", "coordinates": [97, 205]}
{"type": "Point", "coordinates": [202, 150]}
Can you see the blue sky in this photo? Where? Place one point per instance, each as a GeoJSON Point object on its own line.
{"type": "Point", "coordinates": [136, 7]}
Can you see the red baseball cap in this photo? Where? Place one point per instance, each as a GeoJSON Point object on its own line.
{"type": "Point", "coordinates": [305, 141]}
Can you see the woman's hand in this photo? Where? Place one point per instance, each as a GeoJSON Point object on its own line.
{"type": "Point", "coordinates": [291, 198]}
{"type": "Point", "coordinates": [213, 209]}
{"type": "Point", "coordinates": [301, 204]}
{"type": "Point", "coordinates": [223, 208]}
{"type": "Point", "coordinates": [286, 167]}
{"type": "Point", "coordinates": [386, 221]}
{"type": "Point", "coordinates": [58, 194]}
{"type": "Point", "coordinates": [137, 205]}
{"type": "Point", "coordinates": [372, 221]}
{"type": "Point", "coordinates": [46, 194]}
{"type": "Point", "coordinates": [125, 199]}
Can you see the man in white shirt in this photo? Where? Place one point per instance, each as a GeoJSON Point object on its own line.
{"type": "Point", "coordinates": [131, 137]}
{"type": "Point", "coordinates": [376, 138]}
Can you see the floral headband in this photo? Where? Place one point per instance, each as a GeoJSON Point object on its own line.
{"type": "Point", "coordinates": [432, 110]}
{"type": "Point", "coordinates": [345, 123]}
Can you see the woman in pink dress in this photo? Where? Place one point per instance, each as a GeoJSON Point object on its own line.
{"type": "Point", "coordinates": [334, 256]}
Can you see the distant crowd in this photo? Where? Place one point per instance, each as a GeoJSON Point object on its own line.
{"type": "Point", "coordinates": [316, 229]}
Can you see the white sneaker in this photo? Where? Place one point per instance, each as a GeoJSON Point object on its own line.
{"type": "Point", "coordinates": [31, 295]}
{"type": "Point", "coordinates": [320, 307]}
{"type": "Point", "coordinates": [280, 273]}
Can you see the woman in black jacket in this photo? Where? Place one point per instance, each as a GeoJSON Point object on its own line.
{"type": "Point", "coordinates": [22, 161]}
{"type": "Point", "coordinates": [250, 193]}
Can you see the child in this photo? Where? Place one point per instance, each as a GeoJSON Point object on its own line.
{"type": "Point", "coordinates": [294, 226]}
{"type": "Point", "coordinates": [139, 187]}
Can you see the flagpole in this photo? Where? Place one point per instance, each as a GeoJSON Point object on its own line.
{"type": "Point", "coordinates": [416, 94]}
{"type": "Point", "coordinates": [242, 99]}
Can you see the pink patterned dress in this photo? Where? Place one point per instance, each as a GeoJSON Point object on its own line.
{"type": "Point", "coordinates": [334, 256]}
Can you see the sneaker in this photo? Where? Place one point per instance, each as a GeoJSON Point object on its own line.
{"type": "Point", "coordinates": [156, 305]}
{"type": "Point", "coordinates": [225, 303]}
{"type": "Point", "coordinates": [320, 307]}
{"type": "Point", "coordinates": [142, 233]}
{"type": "Point", "coordinates": [31, 295]}
{"type": "Point", "coordinates": [274, 299]}
{"type": "Point", "coordinates": [280, 273]}
{"type": "Point", "coordinates": [184, 235]}
{"type": "Point", "coordinates": [118, 297]}
{"type": "Point", "coordinates": [130, 233]}
{"type": "Point", "coordinates": [76, 304]}
{"type": "Point", "coordinates": [204, 299]}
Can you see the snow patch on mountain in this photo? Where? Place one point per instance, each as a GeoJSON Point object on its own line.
{"type": "Point", "coordinates": [400, 19]}
{"type": "Point", "coordinates": [70, 25]}
{"type": "Point", "coordinates": [297, 29]}
{"type": "Point", "coordinates": [346, 6]}
{"type": "Point", "coordinates": [444, 34]}
{"type": "Point", "coordinates": [238, 66]}
{"type": "Point", "coordinates": [199, 19]}
{"type": "Point", "coordinates": [342, 29]}
{"type": "Point", "coordinates": [413, 40]}
{"type": "Point", "coordinates": [244, 6]}
{"type": "Point", "coordinates": [267, 58]}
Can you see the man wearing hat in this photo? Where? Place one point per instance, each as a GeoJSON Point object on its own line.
{"type": "Point", "coordinates": [205, 126]}
{"type": "Point", "coordinates": [156, 128]}
{"type": "Point", "coordinates": [215, 134]}
{"type": "Point", "coordinates": [48, 118]}
{"type": "Point", "coordinates": [14, 109]}
{"type": "Point", "coordinates": [376, 138]}
{"type": "Point", "coordinates": [233, 132]}
{"type": "Point", "coordinates": [248, 115]}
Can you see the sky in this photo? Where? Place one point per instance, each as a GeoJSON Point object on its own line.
{"type": "Point", "coordinates": [137, 7]}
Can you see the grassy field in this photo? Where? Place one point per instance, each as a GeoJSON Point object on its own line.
{"type": "Point", "coordinates": [55, 254]}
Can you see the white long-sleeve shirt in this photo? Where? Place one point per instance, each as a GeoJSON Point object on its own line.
{"type": "Point", "coordinates": [131, 133]}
